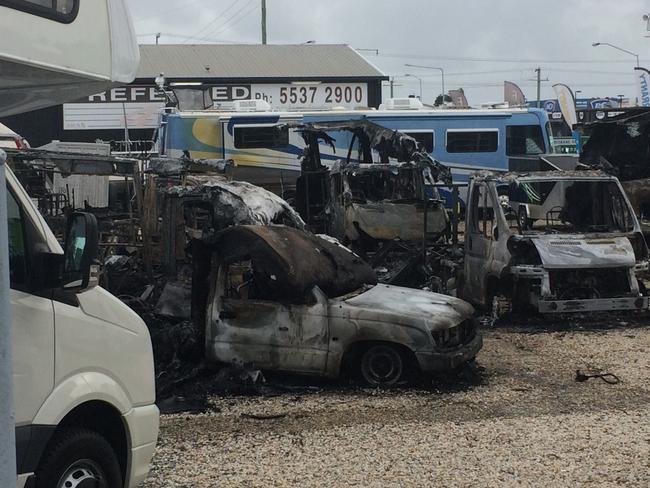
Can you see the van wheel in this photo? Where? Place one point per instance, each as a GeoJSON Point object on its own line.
{"type": "Point", "coordinates": [381, 365]}
{"type": "Point", "coordinates": [79, 458]}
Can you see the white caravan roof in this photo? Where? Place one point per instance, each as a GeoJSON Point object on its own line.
{"type": "Point", "coordinates": [74, 48]}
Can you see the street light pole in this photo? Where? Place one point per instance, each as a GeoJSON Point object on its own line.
{"type": "Point", "coordinates": [7, 420]}
{"type": "Point", "coordinates": [419, 79]}
{"type": "Point", "coordinates": [596, 44]}
{"type": "Point", "coordinates": [442, 75]}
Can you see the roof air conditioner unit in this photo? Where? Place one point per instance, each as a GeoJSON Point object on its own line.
{"type": "Point", "coordinates": [251, 106]}
{"type": "Point", "coordinates": [402, 104]}
{"type": "Point", "coordinates": [495, 105]}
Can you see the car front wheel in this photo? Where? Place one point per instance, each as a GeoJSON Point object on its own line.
{"type": "Point", "coordinates": [79, 458]}
{"type": "Point", "coordinates": [382, 366]}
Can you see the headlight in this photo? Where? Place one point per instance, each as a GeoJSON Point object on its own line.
{"type": "Point", "coordinates": [456, 336]}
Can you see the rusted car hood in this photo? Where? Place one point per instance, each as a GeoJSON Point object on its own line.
{"type": "Point", "coordinates": [438, 311]}
{"type": "Point", "coordinates": [583, 251]}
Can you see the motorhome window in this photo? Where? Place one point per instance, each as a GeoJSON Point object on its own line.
{"type": "Point", "coordinates": [524, 140]}
{"type": "Point", "coordinates": [261, 137]}
{"type": "Point", "coordinates": [17, 246]}
{"type": "Point", "coordinates": [424, 138]}
{"type": "Point", "coordinates": [472, 141]}
{"type": "Point", "coordinates": [60, 10]}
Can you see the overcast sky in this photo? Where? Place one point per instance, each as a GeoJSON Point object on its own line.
{"type": "Point", "coordinates": [479, 43]}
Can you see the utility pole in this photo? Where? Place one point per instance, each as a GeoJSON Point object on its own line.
{"type": "Point", "coordinates": [263, 21]}
{"type": "Point", "coordinates": [7, 419]}
{"type": "Point", "coordinates": [392, 87]}
{"type": "Point", "coordinates": [539, 87]}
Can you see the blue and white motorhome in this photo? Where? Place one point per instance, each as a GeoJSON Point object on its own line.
{"type": "Point", "coordinates": [266, 152]}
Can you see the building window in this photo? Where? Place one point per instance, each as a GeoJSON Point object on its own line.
{"type": "Point", "coordinates": [524, 140]}
{"type": "Point", "coordinates": [478, 141]}
{"type": "Point", "coordinates": [60, 10]}
{"type": "Point", "coordinates": [256, 137]}
{"type": "Point", "coordinates": [424, 138]}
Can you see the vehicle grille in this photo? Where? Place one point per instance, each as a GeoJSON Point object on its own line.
{"type": "Point", "coordinates": [456, 336]}
{"type": "Point", "coordinates": [581, 284]}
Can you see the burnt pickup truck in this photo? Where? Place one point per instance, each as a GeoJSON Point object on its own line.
{"type": "Point", "coordinates": [556, 241]}
{"type": "Point", "coordinates": [285, 299]}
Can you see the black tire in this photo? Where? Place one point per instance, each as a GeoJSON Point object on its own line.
{"type": "Point", "coordinates": [382, 365]}
{"type": "Point", "coordinates": [79, 458]}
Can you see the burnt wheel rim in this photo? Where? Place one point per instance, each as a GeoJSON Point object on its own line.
{"type": "Point", "coordinates": [382, 366]}
{"type": "Point", "coordinates": [84, 473]}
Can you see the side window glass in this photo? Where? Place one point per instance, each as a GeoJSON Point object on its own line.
{"type": "Point", "coordinates": [261, 137]}
{"type": "Point", "coordinates": [475, 209]}
{"type": "Point", "coordinates": [60, 10]}
{"type": "Point", "coordinates": [239, 281]}
{"type": "Point", "coordinates": [17, 245]}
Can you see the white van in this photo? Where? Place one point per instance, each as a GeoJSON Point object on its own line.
{"type": "Point", "coordinates": [83, 363]}
{"type": "Point", "coordinates": [83, 372]}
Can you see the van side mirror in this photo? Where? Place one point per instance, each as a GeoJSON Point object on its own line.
{"type": "Point", "coordinates": [80, 269]}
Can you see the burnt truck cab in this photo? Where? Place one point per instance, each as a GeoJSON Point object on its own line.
{"type": "Point", "coordinates": [383, 202]}
{"type": "Point", "coordinates": [288, 300]}
{"type": "Point", "coordinates": [555, 241]}
{"type": "Point", "coordinates": [381, 190]}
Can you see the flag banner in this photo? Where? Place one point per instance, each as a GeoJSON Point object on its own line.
{"type": "Point", "coordinates": [642, 76]}
{"type": "Point", "coordinates": [513, 95]}
{"type": "Point", "coordinates": [458, 98]}
{"type": "Point", "coordinates": [567, 104]}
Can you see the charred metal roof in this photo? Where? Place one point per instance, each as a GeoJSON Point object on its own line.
{"type": "Point", "coordinates": [237, 202]}
{"type": "Point", "coordinates": [306, 61]}
{"type": "Point", "coordinates": [388, 142]}
{"type": "Point", "coordinates": [72, 163]}
{"type": "Point", "coordinates": [294, 261]}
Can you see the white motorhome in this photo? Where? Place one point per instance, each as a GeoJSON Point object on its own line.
{"type": "Point", "coordinates": [83, 372]}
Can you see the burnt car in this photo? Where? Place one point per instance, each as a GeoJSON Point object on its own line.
{"type": "Point", "coordinates": [555, 241]}
{"type": "Point", "coordinates": [285, 299]}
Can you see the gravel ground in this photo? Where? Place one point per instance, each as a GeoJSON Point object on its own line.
{"type": "Point", "coordinates": [528, 423]}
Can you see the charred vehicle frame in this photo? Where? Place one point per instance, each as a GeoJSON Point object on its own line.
{"type": "Point", "coordinates": [285, 299]}
{"type": "Point", "coordinates": [379, 194]}
{"type": "Point", "coordinates": [556, 241]}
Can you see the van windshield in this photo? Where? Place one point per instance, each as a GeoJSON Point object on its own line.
{"type": "Point", "coordinates": [564, 205]}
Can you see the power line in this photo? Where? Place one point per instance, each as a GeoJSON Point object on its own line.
{"type": "Point", "coordinates": [237, 21]}
{"type": "Point", "coordinates": [224, 25]}
{"type": "Point", "coordinates": [210, 24]}
{"type": "Point", "coordinates": [182, 36]}
{"type": "Point", "coordinates": [184, 5]}
{"type": "Point", "coordinates": [500, 60]}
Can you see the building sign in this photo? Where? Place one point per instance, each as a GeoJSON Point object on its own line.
{"type": "Point", "coordinates": [140, 106]}
{"type": "Point", "coordinates": [311, 95]}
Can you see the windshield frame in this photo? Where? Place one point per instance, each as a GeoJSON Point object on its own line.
{"type": "Point", "coordinates": [628, 225]}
